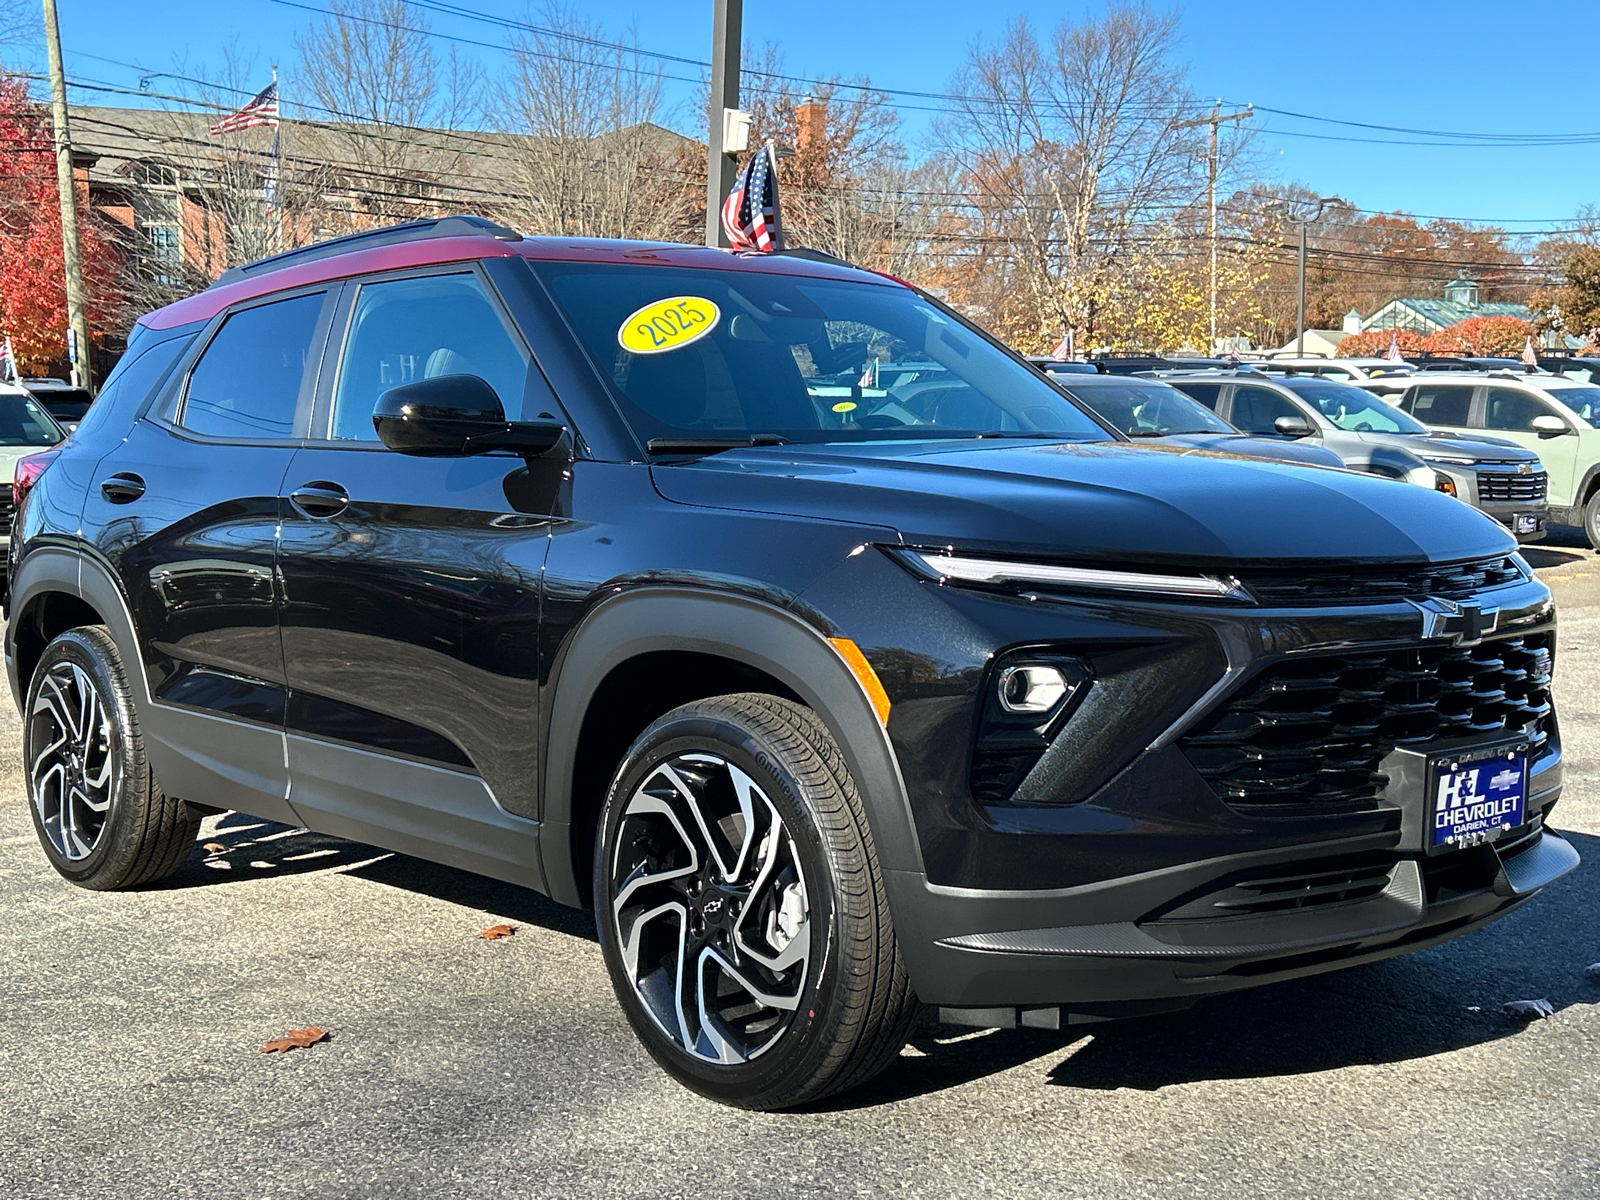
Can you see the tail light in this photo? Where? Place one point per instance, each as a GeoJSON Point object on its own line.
{"type": "Point", "coordinates": [27, 474]}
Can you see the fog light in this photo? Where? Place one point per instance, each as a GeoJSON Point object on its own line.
{"type": "Point", "coordinates": [1444, 483]}
{"type": "Point", "coordinates": [1032, 689]}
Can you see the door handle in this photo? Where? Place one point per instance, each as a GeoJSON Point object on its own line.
{"type": "Point", "coordinates": [122, 488]}
{"type": "Point", "coordinates": [320, 499]}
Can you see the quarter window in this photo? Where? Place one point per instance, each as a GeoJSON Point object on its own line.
{"type": "Point", "coordinates": [404, 330]}
{"type": "Point", "coordinates": [1206, 393]}
{"type": "Point", "coordinates": [1436, 404]}
{"type": "Point", "coordinates": [1513, 411]}
{"type": "Point", "coordinates": [247, 382]}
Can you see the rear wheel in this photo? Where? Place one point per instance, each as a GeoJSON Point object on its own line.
{"type": "Point", "coordinates": [1591, 519]}
{"type": "Point", "coordinates": [99, 813]}
{"type": "Point", "coordinates": [741, 907]}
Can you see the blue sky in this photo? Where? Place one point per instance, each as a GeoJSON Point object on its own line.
{"type": "Point", "coordinates": [1430, 66]}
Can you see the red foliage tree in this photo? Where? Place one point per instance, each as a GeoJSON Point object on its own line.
{"type": "Point", "coordinates": [1375, 343]}
{"type": "Point", "coordinates": [33, 289]}
{"type": "Point", "coordinates": [1493, 336]}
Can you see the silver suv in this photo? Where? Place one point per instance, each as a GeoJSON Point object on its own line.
{"type": "Point", "coordinates": [1502, 479]}
{"type": "Point", "coordinates": [1551, 415]}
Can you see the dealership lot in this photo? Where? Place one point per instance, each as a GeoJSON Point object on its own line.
{"type": "Point", "coordinates": [464, 1067]}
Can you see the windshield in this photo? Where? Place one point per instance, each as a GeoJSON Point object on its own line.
{"type": "Point", "coordinates": [700, 355]}
{"type": "Point", "coordinates": [1148, 409]}
{"type": "Point", "coordinates": [1585, 401]}
{"type": "Point", "coordinates": [24, 422]}
{"type": "Point", "coordinates": [1353, 409]}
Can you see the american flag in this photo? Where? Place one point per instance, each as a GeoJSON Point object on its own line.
{"type": "Point", "coordinates": [750, 214]}
{"type": "Point", "coordinates": [1392, 354]}
{"type": "Point", "coordinates": [263, 110]}
{"type": "Point", "coordinates": [8, 362]}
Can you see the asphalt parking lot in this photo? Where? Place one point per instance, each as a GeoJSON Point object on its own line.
{"type": "Point", "coordinates": [132, 1023]}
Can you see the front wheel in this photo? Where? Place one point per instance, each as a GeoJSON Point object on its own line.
{"type": "Point", "coordinates": [1591, 519]}
{"type": "Point", "coordinates": [741, 907]}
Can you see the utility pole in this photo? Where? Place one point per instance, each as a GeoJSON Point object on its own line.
{"type": "Point", "coordinates": [79, 346]}
{"type": "Point", "coordinates": [1300, 318]}
{"type": "Point", "coordinates": [721, 166]}
{"type": "Point", "coordinates": [1215, 120]}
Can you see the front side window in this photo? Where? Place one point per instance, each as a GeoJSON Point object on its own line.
{"type": "Point", "coordinates": [1353, 409]}
{"type": "Point", "coordinates": [1148, 409]}
{"type": "Point", "coordinates": [1513, 411]}
{"type": "Point", "coordinates": [403, 330]}
{"type": "Point", "coordinates": [247, 382]}
{"type": "Point", "coordinates": [1439, 404]}
{"type": "Point", "coordinates": [1256, 409]}
{"type": "Point", "coordinates": [710, 354]}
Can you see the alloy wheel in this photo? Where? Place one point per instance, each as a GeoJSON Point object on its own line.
{"type": "Point", "coordinates": [74, 768]}
{"type": "Point", "coordinates": [711, 910]}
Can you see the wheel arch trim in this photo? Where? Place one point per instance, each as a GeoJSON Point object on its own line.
{"type": "Point", "coordinates": [752, 632]}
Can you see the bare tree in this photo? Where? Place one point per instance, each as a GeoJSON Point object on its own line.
{"type": "Point", "coordinates": [1071, 149]}
{"type": "Point", "coordinates": [384, 104]}
{"type": "Point", "coordinates": [589, 154]}
{"type": "Point", "coordinates": [20, 25]}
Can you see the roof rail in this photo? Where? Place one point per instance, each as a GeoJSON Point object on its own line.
{"type": "Point", "coordinates": [389, 235]}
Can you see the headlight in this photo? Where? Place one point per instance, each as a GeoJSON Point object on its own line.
{"type": "Point", "coordinates": [1444, 483]}
{"type": "Point", "coordinates": [1422, 477]}
{"type": "Point", "coordinates": [955, 568]}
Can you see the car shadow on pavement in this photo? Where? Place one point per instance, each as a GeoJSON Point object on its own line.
{"type": "Point", "coordinates": [1431, 1002]}
{"type": "Point", "coordinates": [254, 848]}
{"type": "Point", "coordinates": [1540, 557]}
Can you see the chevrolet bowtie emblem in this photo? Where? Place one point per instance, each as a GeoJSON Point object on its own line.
{"type": "Point", "coordinates": [1463, 623]}
{"type": "Point", "coordinates": [1524, 469]}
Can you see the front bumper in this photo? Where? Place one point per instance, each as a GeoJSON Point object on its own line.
{"type": "Point", "coordinates": [996, 950]}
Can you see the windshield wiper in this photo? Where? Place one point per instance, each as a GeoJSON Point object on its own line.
{"type": "Point", "coordinates": [712, 445]}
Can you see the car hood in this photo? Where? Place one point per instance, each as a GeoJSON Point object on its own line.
{"type": "Point", "coordinates": [1449, 446]}
{"type": "Point", "coordinates": [1249, 447]}
{"type": "Point", "coordinates": [1109, 501]}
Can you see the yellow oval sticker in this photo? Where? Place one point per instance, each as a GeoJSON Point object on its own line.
{"type": "Point", "coordinates": [668, 324]}
{"type": "Point", "coordinates": [845, 406]}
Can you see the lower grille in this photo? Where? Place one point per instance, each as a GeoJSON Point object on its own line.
{"type": "Point", "coordinates": [1308, 734]}
{"type": "Point", "coordinates": [1454, 581]}
{"type": "Point", "coordinates": [1502, 485]}
{"type": "Point", "coordinates": [1290, 886]}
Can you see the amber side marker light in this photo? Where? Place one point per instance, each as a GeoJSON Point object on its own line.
{"type": "Point", "coordinates": [1443, 483]}
{"type": "Point", "coordinates": [865, 675]}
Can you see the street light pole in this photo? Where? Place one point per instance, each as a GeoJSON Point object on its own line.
{"type": "Point", "coordinates": [721, 167]}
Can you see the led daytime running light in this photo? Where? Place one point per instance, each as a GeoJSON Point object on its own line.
{"type": "Point", "coordinates": [983, 570]}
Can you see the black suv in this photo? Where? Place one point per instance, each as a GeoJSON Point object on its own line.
{"type": "Point", "coordinates": [633, 573]}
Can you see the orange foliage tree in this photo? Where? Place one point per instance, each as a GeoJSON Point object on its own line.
{"type": "Point", "coordinates": [33, 290]}
{"type": "Point", "coordinates": [1375, 343]}
{"type": "Point", "coordinates": [1493, 336]}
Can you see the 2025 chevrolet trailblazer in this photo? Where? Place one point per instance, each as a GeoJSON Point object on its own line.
{"type": "Point", "coordinates": [841, 662]}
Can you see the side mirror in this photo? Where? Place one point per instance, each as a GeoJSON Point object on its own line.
{"type": "Point", "coordinates": [1549, 425]}
{"type": "Point", "coordinates": [454, 416]}
{"type": "Point", "coordinates": [1292, 426]}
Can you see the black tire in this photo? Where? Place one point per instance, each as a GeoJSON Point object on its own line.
{"type": "Point", "coordinates": [835, 1020]}
{"type": "Point", "coordinates": [100, 815]}
{"type": "Point", "coordinates": [1591, 519]}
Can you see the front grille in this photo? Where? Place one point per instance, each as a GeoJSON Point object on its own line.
{"type": "Point", "coordinates": [6, 509]}
{"type": "Point", "coordinates": [1377, 584]}
{"type": "Point", "coordinates": [1502, 485]}
{"type": "Point", "coordinates": [1289, 886]}
{"type": "Point", "coordinates": [1307, 734]}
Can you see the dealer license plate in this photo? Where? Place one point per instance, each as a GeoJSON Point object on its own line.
{"type": "Point", "coordinates": [1527, 523]}
{"type": "Point", "coordinates": [1477, 795]}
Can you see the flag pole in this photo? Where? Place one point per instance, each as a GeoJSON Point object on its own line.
{"type": "Point", "coordinates": [276, 165]}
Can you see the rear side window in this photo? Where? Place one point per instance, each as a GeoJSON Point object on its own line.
{"type": "Point", "coordinates": [247, 382]}
{"type": "Point", "coordinates": [138, 374]}
{"type": "Point", "coordinates": [1206, 393]}
{"type": "Point", "coordinates": [1439, 404]}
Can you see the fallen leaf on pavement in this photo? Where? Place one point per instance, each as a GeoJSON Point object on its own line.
{"type": "Point", "coordinates": [496, 932]}
{"type": "Point", "coordinates": [298, 1039]}
{"type": "Point", "coordinates": [1529, 1008]}
{"type": "Point", "coordinates": [214, 848]}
